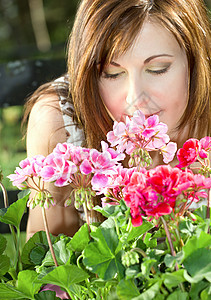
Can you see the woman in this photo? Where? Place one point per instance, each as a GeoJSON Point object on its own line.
{"type": "Point", "coordinates": [123, 55]}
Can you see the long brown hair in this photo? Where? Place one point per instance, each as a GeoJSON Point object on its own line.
{"type": "Point", "coordinates": [105, 29]}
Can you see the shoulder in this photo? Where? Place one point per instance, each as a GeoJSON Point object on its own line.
{"type": "Point", "coordinates": [45, 126]}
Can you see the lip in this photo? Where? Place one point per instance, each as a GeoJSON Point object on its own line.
{"type": "Point", "coordinates": [123, 116]}
{"type": "Point", "coordinates": [150, 115]}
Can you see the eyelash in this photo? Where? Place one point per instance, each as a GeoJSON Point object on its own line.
{"type": "Point", "coordinates": [158, 72]}
{"type": "Point", "coordinates": [110, 76]}
{"type": "Point", "coordinates": [155, 72]}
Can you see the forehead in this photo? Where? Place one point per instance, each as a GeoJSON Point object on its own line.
{"type": "Point", "coordinates": [152, 39]}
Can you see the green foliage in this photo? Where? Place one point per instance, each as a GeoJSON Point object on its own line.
{"type": "Point", "coordinates": [112, 260]}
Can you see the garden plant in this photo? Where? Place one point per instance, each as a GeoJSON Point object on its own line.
{"type": "Point", "coordinates": [153, 244]}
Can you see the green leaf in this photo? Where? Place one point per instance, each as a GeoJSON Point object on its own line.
{"type": "Point", "coordinates": [24, 193]}
{"type": "Point", "coordinates": [64, 276]}
{"type": "Point", "coordinates": [3, 243]}
{"type": "Point", "coordinates": [13, 214]}
{"type": "Point", "coordinates": [100, 256]}
{"type": "Point", "coordinates": [8, 291]}
{"type": "Point", "coordinates": [178, 295]}
{"type": "Point", "coordinates": [138, 231]}
{"type": "Point", "coordinates": [146, 266]}
{"type": "Point", "coordinates": [173, 279]}
{"type": "Point", "coordinates": [4, 264]}
{"type": "Point", "coordinates": [206, 294]}
{"type": "Point", "coordinates": [46, 295]}
{"type": "Point", "coordinates": [150, 242]}
{"type": "Point", "coordinates": [127, 290]}
{"type": "Point", "coordinates": [201, 212]}
{"type": "Point", "coordinates": [37, 254]}
{"type": "Point", "coordinates": [150, 293]}
{"type": "Point", "coordinates": [27, 283]}
{"type": "Point", "coordinates": [39, 239]}
{"type": "Point", "coordinates": [80, 240]}
{"type": "Point", "coordinates": [194, 243]}
{"type": "Point", "coordinates": [198, 264]}
{"type": "Point", "coordinates": [107, 211]}
{"type": "Point", "coordinates": [170, 260]}
{"type": "Point", "coordinates": [196, 288]}
{"type": "Point", "coordinates": [62, 254]}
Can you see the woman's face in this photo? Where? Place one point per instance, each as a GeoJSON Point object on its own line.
{"type": "Point", "coordinates": [151, 76]}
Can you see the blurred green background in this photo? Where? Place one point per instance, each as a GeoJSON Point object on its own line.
{"type": "Point", "coordinates": [29, 29]}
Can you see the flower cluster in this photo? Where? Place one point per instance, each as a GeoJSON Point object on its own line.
{"type": "Point", "coordinates": [150, 193]}
{"type": "Point", "coordinates": [194, 150]}
{"type": "Point", "coordinates": [156, 192]}
{"type": "Point", "coordinates": [138, 134]}
{"type": "Point", "coordinates": [67, 164]}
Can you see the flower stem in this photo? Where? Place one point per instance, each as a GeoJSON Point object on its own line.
{"type": "Point", "coordinates": [48, 236]}
{"type": "Point", "coordinates": [208, 208]}
{"type": "Point", "coordinates": [173, 253]}
{"type": "Point", "coordinates": [86, 214]}
{"type": "Point", "coordinates": [6, 204]}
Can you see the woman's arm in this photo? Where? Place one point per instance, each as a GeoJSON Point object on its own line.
{"type": "Point", "coordinates": [45, 130]}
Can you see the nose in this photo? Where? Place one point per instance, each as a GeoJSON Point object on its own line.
{"type": "Point", "coordinates": [137, 97]}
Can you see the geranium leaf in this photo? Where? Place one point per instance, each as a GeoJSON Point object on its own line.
{"type": "Point", "coordinates": [3, 243]}
{"type": "Point", "coordinates": [64, 276]}
{"type": "Point", "coordinates": [13, 214]}
{"type": "Point", "coordinates": [178, 295]}
{"type": "Point", "coordinates": [138, 231]}
{"type": "Point", "coordinates": [4, 264]}
{"type": "Point", "coordinates": [37, 254]}
{"type": "Point", "coordinates": [62, 254]}
{"type": "Point", "coordinates": [27, 284]}
{"type": "Point", "coordinates": [198, 264]}
{"type": "Point", "coordinates": [173, 279]}
{"type": "Point", "coordinates": [46, 295]}
{"type": "Point", "coordinates": [100, 256]}
{"type": "Point", "coordinates": [38, 239]}
{"type": "Point", "coordinates": [127, 290]}
{"type": "Point", "coordinates": [8, 291]}
{"type": "Point", "coordinates": [80, 240]}
{"type": "Point", "coordinates": [206, 294]}
{"type": "Point", "coordinates": [196, 242]}
{"type": "Point", "coordinates": [150, 293]}
{"type": "Point", "coordinates": [196, 288]}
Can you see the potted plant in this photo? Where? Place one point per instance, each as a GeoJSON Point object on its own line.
{"type": "Point", "coordinates": [151, 245]}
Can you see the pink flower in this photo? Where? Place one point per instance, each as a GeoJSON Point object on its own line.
{"type": "Point", "coordinates": [205, 146]}
{"type": "Point", "coordinates": [206, 143]}
{"type": "Point", "coordinates": [58, 169]}
{"type": "Point", "coordinates": [140, 133]}
{"type": "Point", "coordinates": [28, 167]}
{"type": "Point", "coordinates": [168, 152]}
{"type": "Point", "coordinates": [188, 153]}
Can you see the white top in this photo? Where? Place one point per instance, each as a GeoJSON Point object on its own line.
{"type": "Point", "coordinates": [74, 134]}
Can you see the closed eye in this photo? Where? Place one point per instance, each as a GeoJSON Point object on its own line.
{"type": "Point", "coordinates": [158, 71]}
{"type": "Point", "coordinates": [111, 75]}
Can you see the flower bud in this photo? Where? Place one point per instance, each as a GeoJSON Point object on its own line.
{"type": "Point", "coordinates": [67, 202]}
{"type": "Point", "coordinates": [130, 258]}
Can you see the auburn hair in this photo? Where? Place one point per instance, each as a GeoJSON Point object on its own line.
{"type": "Point", "coordinates": [104, 29]}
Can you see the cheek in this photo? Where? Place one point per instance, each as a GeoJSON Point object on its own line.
{"type": "Point", "coordinates": [113, 98]}
{"type": "Point", "coordinates": [174, 91]}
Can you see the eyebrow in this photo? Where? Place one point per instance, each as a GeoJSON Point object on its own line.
{"type": "Point", "coordinates": [146, 60]}
{"type": "Point", "coordinates": [155, 56]}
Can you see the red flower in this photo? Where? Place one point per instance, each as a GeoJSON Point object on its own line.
{"type": "Point", "coordinates": [165, 180]}
{"type": "Point", "coordinates": [188, 153]}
